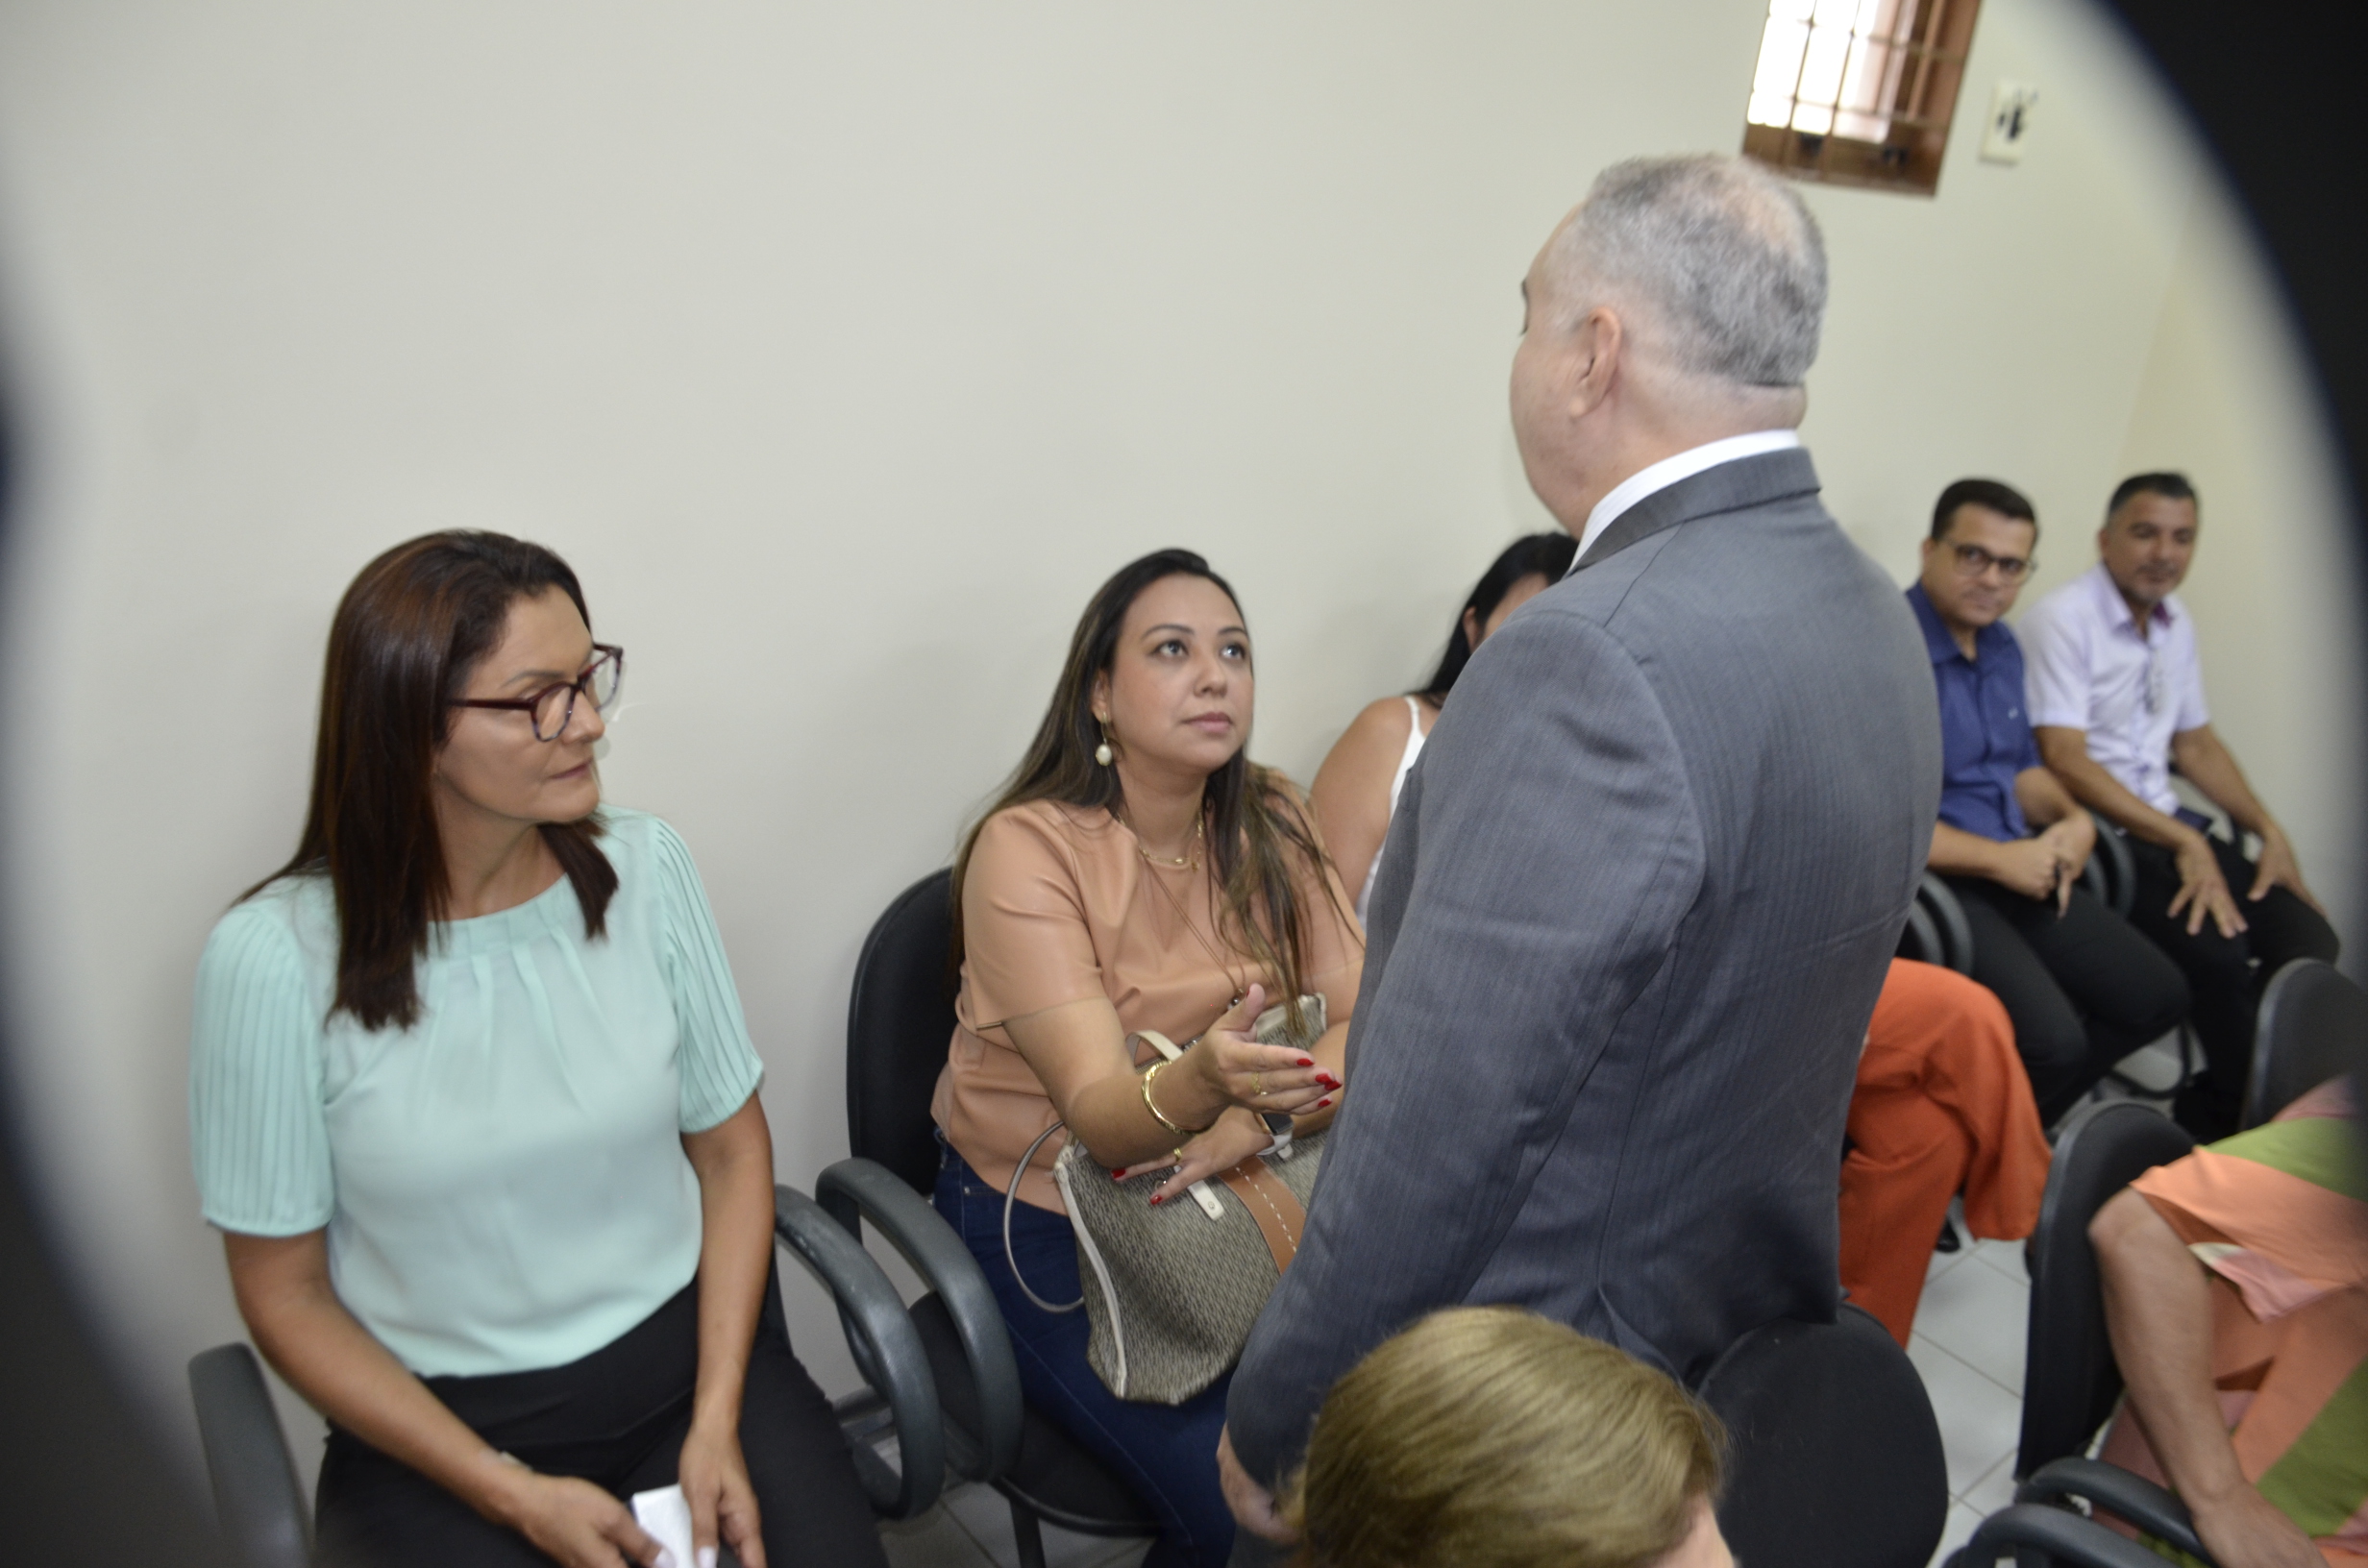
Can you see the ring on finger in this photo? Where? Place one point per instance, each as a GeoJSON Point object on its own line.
{"type": "Point", "coordinates": [1257, 1086]}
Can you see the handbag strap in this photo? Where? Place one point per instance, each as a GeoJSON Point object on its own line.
{"type": "Point", "coordinates": [1011, 1196]}
{"type": "Point", "coordinates": [1166, 1047]}
{"type": "Point", "coordinates": [1282, 1219]}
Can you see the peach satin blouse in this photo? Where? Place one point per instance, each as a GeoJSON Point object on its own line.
{"type": "Point", "coordinates": [1059, 906]}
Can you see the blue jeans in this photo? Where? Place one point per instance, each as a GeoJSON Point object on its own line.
{"type": "Point", "coordinates": [1167, 1454]}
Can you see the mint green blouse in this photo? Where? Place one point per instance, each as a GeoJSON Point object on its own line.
{"type": "Point", "coordinates": [503, 1183]}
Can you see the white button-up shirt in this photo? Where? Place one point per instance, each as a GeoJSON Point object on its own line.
{"type": "Point", "coordinates": [1665, 473]}
{"type": "Point", "coordinates": [2088, 666]}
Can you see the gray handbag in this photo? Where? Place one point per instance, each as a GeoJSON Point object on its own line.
{"type": "Point", "coordinates": [1171, 1292]}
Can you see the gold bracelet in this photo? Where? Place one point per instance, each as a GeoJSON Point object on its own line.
{"type": "Point", "coordinates": [1152, 1105]}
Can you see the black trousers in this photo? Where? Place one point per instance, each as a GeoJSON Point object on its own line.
{"type": "Point", "coordinates": [2083, 990]}
{"type": "Point", "coordinates": [616, 1418]}
{"type": "Point", "coordinates": [2227, 974]}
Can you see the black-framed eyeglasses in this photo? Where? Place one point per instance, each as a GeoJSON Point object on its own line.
{"type": "Point", "coordinates": [553, 707]}
{"type": "Point", "coordinates": [1972, 560]}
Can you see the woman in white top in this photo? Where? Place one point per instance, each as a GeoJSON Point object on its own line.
{"type": "Point", "coordinates": [1357, 787]}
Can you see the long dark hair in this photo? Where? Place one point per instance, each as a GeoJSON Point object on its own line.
{"type": "Point", "coordinates": [1260, 843]}
{"type": "Point", "coordinates": [406, 637]}
{"type": "Point", "coordinates": [1546, 555]}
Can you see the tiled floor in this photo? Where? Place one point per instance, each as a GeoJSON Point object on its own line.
{"type": "Point", "coordinates": [1968, 1345]}
{"type": "Point", "coordinates": [970, 1528]}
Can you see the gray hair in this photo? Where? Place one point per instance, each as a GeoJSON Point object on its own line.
{"type": "Point", "coordinates": [1722, 254]}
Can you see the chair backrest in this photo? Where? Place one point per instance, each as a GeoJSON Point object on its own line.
{"type": "Point", "coordinates": [1921, 940]}
{"type": "Point", "coordinates": [2069, 1379]}
{"type": "Point", "coordinates": [899, 1021]}
{"type": "Point", "coordinates": [2313, 1024]}
{"type": "Point", "coordinates": [256, 1498]}
{"type": "Point", "coordinates": [2111, 872]}
{"type": "Point", "coordinates": [1937, 922]}
{"type": "Point", "coordinates": [1836, 1460]}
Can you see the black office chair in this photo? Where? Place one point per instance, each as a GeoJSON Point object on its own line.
{"type": "Point", "coordinates": [1938, 931]}
{"type": "Point", "coordinates": [267, 1522]}
{"type": "Point", "coordinates": [2035, 1535]}
{"type": "Point", "coordinates": [2312, 1025]}
{"type": "Point", "coordinates": [258, 1501]}
{"type": "Point", "coordinates": [1836, 1460]}
{"type": "Point", "coordinates": [2069, 1379]}
{"type": "Point", "coordinates": [2110, 875]}
{"type": "Point", "coordinates": [901, 1019]}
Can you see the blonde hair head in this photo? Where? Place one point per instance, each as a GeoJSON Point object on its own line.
{"type": "Point", "coordinates": [1492, 1438]}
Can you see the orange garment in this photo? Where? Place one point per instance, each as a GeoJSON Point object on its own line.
{"type": "Point", "coordinates": [2279, 1217]}
{"type": "Point", "coordinates": [1942, 1106]}
{"type": "Point", "coordinates": [1060, 906]}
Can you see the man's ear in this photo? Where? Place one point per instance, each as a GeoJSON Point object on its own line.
{"type": "Point", "coordinates": [1598, 344]}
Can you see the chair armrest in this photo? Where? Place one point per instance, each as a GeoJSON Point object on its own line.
{"type": "Point", "coordinates": [2107, 1486]}
{"type": "Point", "coordinates": [1921, 941]}
{"type": "Point", "coordinates": [1949, 915]}
{"type": "Point", "coordinates": [857, 1189]}
{"type": "Point", "coordinates": [2094, 881]}
{"type": "Point", "coordinates": [256, 1498]}
{"type": "Point", "coordinates": [2065, 1537]}
{"type": "Point", "coordinates": [887, 1351]}
{"type": "Point", "coordinates": [2111, 860]}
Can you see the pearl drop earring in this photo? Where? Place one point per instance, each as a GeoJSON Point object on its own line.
{"type": "Point", "coordinates": [1101, 752]}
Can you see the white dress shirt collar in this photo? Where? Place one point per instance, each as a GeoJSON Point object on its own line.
{"type": "Point", "coordinates": [2115, 609]}
{"type": "Point", "coordinates": [1665, 473]}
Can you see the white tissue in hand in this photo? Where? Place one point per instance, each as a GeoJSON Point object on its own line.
{"type": "Point", "coordinates": [666, 1513]}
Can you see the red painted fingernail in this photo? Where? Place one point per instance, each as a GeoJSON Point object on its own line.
{"type": "Point", "coordinates": [1307, 1060]}
{"type": "Point", "coordinates": [1321, 1104]}
{"type": "Point", "coordinates": [1117, 1175]}
{"type": "Point", "coordinates": [1158, 1200]}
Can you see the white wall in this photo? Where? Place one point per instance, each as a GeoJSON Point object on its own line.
{"type": "Point", "coordinates": [843, 350]}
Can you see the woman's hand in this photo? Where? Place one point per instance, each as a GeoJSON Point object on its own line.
{"type": "Point", "coordinates": [576, 1523]}
{"type": "Point", "coordinates": [1266, 1078]}
{"type": "Point", "coordinates": [715, 1483]}
{"type": "Point", "coordinates": [2246, 1530]}
{"type": "Point", "coordinates": [1237, 1136]}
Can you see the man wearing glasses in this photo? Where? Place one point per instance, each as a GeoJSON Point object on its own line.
{"type": "Point", "coordinates": [2083, 988]}
{"type": "Point", "coordinates": [2117, 702]}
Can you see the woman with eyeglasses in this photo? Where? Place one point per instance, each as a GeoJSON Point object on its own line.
{"type": "Point", "coordinates": [475, 1109]}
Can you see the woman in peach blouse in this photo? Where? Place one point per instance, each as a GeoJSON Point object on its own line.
{"type": "Point", "coordinates": [1138, 873]}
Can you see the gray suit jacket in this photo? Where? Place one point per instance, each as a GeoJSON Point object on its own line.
{"type": "Point", "coordinates": [1636, 904]}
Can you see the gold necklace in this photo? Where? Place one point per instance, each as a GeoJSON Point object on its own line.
{"type": "Point", "coordinates": [1190, 862]}
{"type": "Point", "coordinates": [1206, 945]}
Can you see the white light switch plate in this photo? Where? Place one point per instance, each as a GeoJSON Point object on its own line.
{"type": "Point", "coordinates": [2010, 105]}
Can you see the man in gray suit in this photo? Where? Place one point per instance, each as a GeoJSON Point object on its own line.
{"type": "Point", "coordinates": [1641, 888]}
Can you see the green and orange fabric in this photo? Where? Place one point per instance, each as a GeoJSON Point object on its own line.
{"type": "Point", "coordinates": [2280, 1216]}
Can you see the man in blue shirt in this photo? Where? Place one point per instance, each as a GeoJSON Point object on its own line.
{"type": "Point", "coordinates": [2083, 987]}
